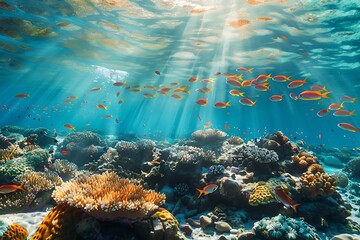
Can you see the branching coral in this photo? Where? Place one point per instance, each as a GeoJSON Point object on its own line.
{"type": "Point", "coordinates": [108, 197]}
{"type": "Point", "coordinates": [63, 167]}
{"type": "Point", "coordinates": [317, 184]}
{"type": "Point", "coordinates": [15, 201]}
{"type": "Point", "coordinates": [10, 152]}
{"type": "Point", "coordinates": [40, 181]}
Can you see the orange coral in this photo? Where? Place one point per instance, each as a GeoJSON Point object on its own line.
{"type": "Point", "coordinates": [15, 232]}
{"type": "Point", "coordinates": [303, 160]}
{"type": "Point", "coordinates": [166, 217]}
{"type": "Point", "coordinates": [314, 168]}
{"type": "Point", "coordinates": [108, 197]}
{"type": "Point", "coordinates": [317, 184]}
{"type": "Point", "coordinates": [59, 223]}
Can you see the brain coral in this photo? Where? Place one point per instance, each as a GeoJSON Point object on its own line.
{"type": "Point", "coordinates": [319, 183]}
{"type": "Point", "coordinates": [108, 197]}
{"type": "Point", "coordinates": [15, 232]}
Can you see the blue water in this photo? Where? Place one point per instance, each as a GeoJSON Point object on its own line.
{"type": "Point", "coordinates": [54, 49]}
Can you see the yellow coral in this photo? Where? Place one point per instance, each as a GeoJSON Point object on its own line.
{"type": "Point", "coordinates": [59, 223]}
{"type": "Point", "coordinates": [261, 195]}
{"type": "Point", "coordinates": [319, 183]}
{"type": "Point", "coordinates": [15, 232]}
{"type": "Point", "coordinates": [166, 217]}
{"type": "Point", "coordinates": [40, 181]}
{"type": "Point", "coordinates": [108, 197]}
{"type": "Point", "coordinates": [10, 152]}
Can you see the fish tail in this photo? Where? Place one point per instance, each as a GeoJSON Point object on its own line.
{"type": "Point", "coordinates": [294, 206]}
{"type": "Point", "coordinates": [325, 94]}
{"type": "Point", "coordinates": [250, 70]}
{"type": "Point", "coordinates": [324, 89]}
{"type": "Point", "coordinates": [200, 192]}
{"type": "Point", "coordinates": [342, 105]}
{"type": "Point", "coordinates": [228, 103]}
{"type": "Point", "coordinates": [21, 187]}
{"type": "Point", "coordinates": [352, 113]}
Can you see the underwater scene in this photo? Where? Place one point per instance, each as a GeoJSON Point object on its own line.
{"type": "Point", "coordinates": [179, 119]}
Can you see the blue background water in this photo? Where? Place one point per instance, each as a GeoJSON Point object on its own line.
{"type": "Point", "coordinates": [55, 49]}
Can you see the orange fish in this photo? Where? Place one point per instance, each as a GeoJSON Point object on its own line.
{"type": "Point", "coordinates": [235, 92]}
{"type": "Point", "coordinates": [296, 83]}
{"type": "Point", "coordinates": [282, 197]}
{"type": "Point", "coordinates": [261, 78]}
{"type": "Point", "coordinates": [348, 127]}
{"type": "Point", "coordinates": [102, 106]}
{"type": "Point", "coordinates": [150, 87]}
{"type": "Point", "coordinates": [348, 99]}
{"type": "Point", "coordinates": [70, 127]}
{"type": "Point", "coordinates": [313, 95]}
{"type": "Point", "coordinates": [9, 188]}
{"type": "Point", "coordinates": [208, 124]}
{"type": "Point", "coordinates": [204, 90]}
{"type": "Point", "coordinates": [95, 89]}
{"type": "Point", "coordinates": [176, 96]}
{"type": "Point", "coordinates": [242, 69]}
{"type": "Point", "coordinates": [264, 18]}
{"type": "Point", "coordinates": [174, 84]}
{"type": "Point", "coordinates": [202, 101]}
{"type": "Point", "coordinates": [336, 106]}
{"type": "Point", "coordinates": [276, 98]}
{"type": "Point", "coordinates": [182, 89]}
{"type": "Point", "coordinates": [234, 82]}
{"type": "Point", "coordinates": [247, 102]}
{"type": "Point", "coordinates": [344, 113]}
{"type": "Point", "coordinates": [281, 78]}
{"type": "Point", "coordinates": [227, 127]}
{"type": "Point", "coordinates": [318, 88]}
{"type": "Point", "coordinates": [262, 87]}
{"type": "Point", "coordinates": [246, 83]}
{"type": "Point", "coordinates": [208, 80]}
{"type": "Point", "coordinates": [136, 90]}
{"type": "Point", "coordinates": [22, 95]}
{"type": "Point", "coordinates": [217, 73]}
{"type": "Point", "coordinates": [193, 79]}
{"type": "Point", "coordinates": [283, 37]}
{"type": "Point", "coordinates": [323, 112]}
{"type": "Point", "coordinates": [207, 189]}
{"type": "Point", "coordinates": [64, 152]}
{"type": "Point", "coordinates": [119, 84]}
{"type": "Point", "coordinates": [222, 104]}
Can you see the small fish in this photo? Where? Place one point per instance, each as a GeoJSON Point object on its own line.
{"type": "Point", "coordinates": [242, 69]}
{"type": "Point", "coordinates": [282, 197]}
{"type": "Point", "coordinates": [264, 18]}
{"type": "Point", "coordinates": [222, 104]}
{"type": "Point", "coordinates": [313, 95]}
{"type": "Point", "coordinates": [198, 116]}
{"type": "Point", "coordinates": [204, 90]}
{"type": "Point", "coordinates": [348, 127]}
{"type": "Point", "coordinates": [174, 84]}
{"type": "Point", "coordinates": [283, 37]}
{"type": "Point", "coordinates": [176, 96]}
{"type": "Point", "coordinates": [293, 96]}
{"type": "Point", "coordinates": [348, 99]}
{"type": "Point", "coordinates": [157, 72]}
{"type": "Point", "coordinates": [117, 94]}
{"type": "Point", "coordinates": [344, 113]}
{"type": "Point", "coordinates": [9, 188]}
{"type": "Point", "coordinates": [121, 101]}
{"type": "Point", "coordinates": [150, 87]}
{"type": "Point", "coordinates": [281, 78]}
{"type": "Point", "coordinates": [247, 102]}
{"type": "Point", "coordinates": [235, 92]}
{"type": "Point", "coordinates": [234, 82]}
{"type": "Point", "coordinates": [207, 189]}
{"type": "Point", "coordinates": [64, 152]}
{"type": "Point", "coordinates": [202, 101]}
{"type": "Point", "coordinates": [116, 120]}
{"type": "Point", "coordinates": [22, 95]}
{"type": "Point", "coordinates": [208, 80]}
{"type": "Point", "coordinates": [107, 116]}
{"type": "Point", "coordinates": [262, 87]}
{"type": "Point", "coordinates": [193, 79]}
{"type": "Point", "coordinates": [119, 84]}
{"type": "Point", "coordinates": [102, 106]}
{"type": "Point", "coordinates": [276, 98]}
{"type": "Point", "coordinates": [136, 90]}
{"type": "Point", "coordinates": [336, 106]}
{"type": "Point", "coordinates": [208, 124]}
{"type": "Point", "coordinates": [217, 73]}
{"type": "Point", "coordinates": [69, 126]}
{"type": "Point", "coordinates": [72, 97]}
{"type": "Point", "coordinates": [318, 88]}
{"type": "Point", "coordinates": [55, 133]}
{"type": "Point", "coordinates": [323, 112]}
{"type": "Point", "coordinates": [296, 83]}
{"type": "Point", "coordinates": [95, 89]}
{"type": "Point", "coordinates": [261, 78]}
{"type": "Point", "coordinates": [149, 95]}
{"type": "Point", "coordinates": [246, 83]}
{"type": "Point", "coordinates": [227, 127]}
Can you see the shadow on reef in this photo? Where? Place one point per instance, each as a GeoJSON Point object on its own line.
{"type": "Point", "coordinates": [214, 185]}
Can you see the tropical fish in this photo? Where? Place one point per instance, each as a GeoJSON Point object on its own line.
{"type": "Point", "coordinates": [157, 72]}
{"type": "Point", "coordinates": [293, 96]}
{"type": "Point", "coordinates": [121, 101]}
{"type": "Point", "coordinates": [318, 88]}
{"type": "Point", "coordinates": [296, 83]}
{"type": "Point", "coordinates": [149, 95]}
{"type": "Point", "coordinates": [208, 80]}
{"type": "Point", "coordinates": [276, 98]}
{"type": "Point", "coordinates": [9, 188]}
{"type": "Point", "coordinates": [193, 79]}
{"type": "Point", "coordinates": [222, 104]}
{"type": "Point", "coordinates": [150, 87]}
{"type": "Point", "coordinates": [313, 95]}
{"type": "Point", "coordinates": [207, 124]}
{"type": "Point", "coordinates": [348, 127]}
{"type": "Point", "coordinates": [22, 95]}
{"type": "Point", "coordinates": [261, 79]}
{"type": "Point", "coordinates": [117, 94]}
{"type": "Point", "coordinates": [95, 89]}
{"type": "Point", "coordinates": [284, 198]}
{"type": "Point", "coordinates": [72, 97]}
{"type": "Point", "coordinates": [119, 84]}
{"type": "Point", "coordinates": [235, 92]}
{"type": "Point", "coordinates": [70, 127]}
{"type": "Point", "coordinates": [262, 87]}
{"type": "Point", "coordinates": [207, 189]}
{"type": "Point", "coordinates": [217, 73]}
{"type": "Point", "coordinates": [242, 69]}
{"type": "Point", "coordinates": [264, 18]}
{"type": "Point", "coordinates": [281, 78]}
{"type": "Point", "coordinates": [198, 116]}
{"type": "Point", "coordinates": [344, 113]}
{"type": "Point", "coordinates": [336, 106]}
{"type": "Point", "coordinates": [182, 89]}
{"type": "Point", "coordinates": [202, 101]}
{"type": "Point", "coordinates": [348, 99]}
{"type": "Point", "coordinates": [246, 83]}
{"type": "Point", "coordinates": [102, 106]}
{"type": "Point", "coordinates": [64, 152]}
{"type": "Point", "coordinates": [204, 90]}
{"type": "Point", "coordinates": [323, 112]}
{"type": "Point", "coordinates": [247, 102]}
{"type": "Point", "coordinates": [234, 82]}
{"type": "Point", "coordinates": [176, 96]}
{"type": "Point", "coordinates": [227, 127]}
{"type": "Point", "coordinates": [174, 83]}
{"type": "Point", "coordinates": [107, 116]}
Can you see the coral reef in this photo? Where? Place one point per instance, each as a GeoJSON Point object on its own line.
{"type": "Point", "coordinates": [14, 232]}
{"type": "Point", "coordinates": [15, 201]}
{"type": "Point", "coordinates": [108, 197]}
{"type": "Point", "coordinates": [59, 223]}
{"type": "Point", "coordinates": [10, 152]}
{"type": "Point", "coordinates": [40, 181]}
{"type": "Point", "coordinates": [64, 168]}
{"type": "Point", "coordinates": [181, 189]}
{"type": "Point", "coordinates": [281, 227]}
{"type": "Point", "coordinates": [208, 136]}
{"type": "Point", "coordinates": [317, 184]}
{"type": "Point", "coordinates": [301, 162]}
{"type": "Point", "coordinates": [216, 169]}
{"type": "Point", "coordinates": [353, 166]}
{"type": "Point", "coordinates": [264, 191]}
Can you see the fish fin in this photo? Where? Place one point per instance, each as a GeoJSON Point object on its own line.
{"type": "Point", "coordinates": [250, 70]}
{"type": "Point", "coordinates": [353, 113]}
{"type": "Point", "coordinates": [294, 206]}
{"type": "Point", "coordinates": [325, 94]}
{"type": "Point", "coordinates": [324, 89]}
{"type": "Point", "coordinates": [342, 105]}
{"type": "Point", "coordinates": [228, 104]}
{"type": "Point", "coordinates": [21, 187]}
{"type": "Point", "coordinates": [200, 192]}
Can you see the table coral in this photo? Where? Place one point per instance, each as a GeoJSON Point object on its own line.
{"type": "Point", "coordinates": [15, 232]}
{"type": "Point", "coordinates": [10, 152]}
{"type": "Point", "coordinates": [317, 184]}
{"type": "Point", "coordinates": [108, 197]}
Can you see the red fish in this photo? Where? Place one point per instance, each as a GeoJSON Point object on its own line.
{"type": "Point", "coordinates": [64, 152]}
{"type": "Point", "coordinates": [222, 104]}
{"type": "Point", "coordinates": [276, 98]}
{"type": "Point", "coordinates": [119, 84]}
{"type": "Point", "coordinates": [234, 82]}
{"type": "Point", "coordinates": [247, 102]}
{"type": "Point", "coordinates": [313, 95]}
{"type": "Point", "coordinates": [323, 112]}
{"type": "Point", "coordinates": [69, 126]}
{"type": "Point", "coordinates": [281, 78]}
{"type": "Point", "coordinates": [193, 79]}
{"type": "Point", "coordinates": [242, 69]}
{"type": "Point", "coordinates": [348, 127]}
{"type": "Point", "coordinates": [22, 95]}
{"type": "Point", "coordinates": [348, 99]}
{"type": "Point", "coordinates": [283, 197]}
{"type": "Point", "coordinates": [202, 101]}
{"type": "Point", "coordinates": [9, 188]}
{"type": "Point", "coordinates": [318, 88]}
{"type": "Point", "coordinates": [344, 113]}
{"type": "Point", "coordinates": [235, 92]}
{"type": "Point", "coordinates": [262, 87]}
{"type": "Point", "coordinates": [95, 89]}
{"type": "Point", "coordinates": [296, 83]}
{"type": "Point", "coordinates": [207, 189]}
{"type": "Point", "coordinates": [336, 106]}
